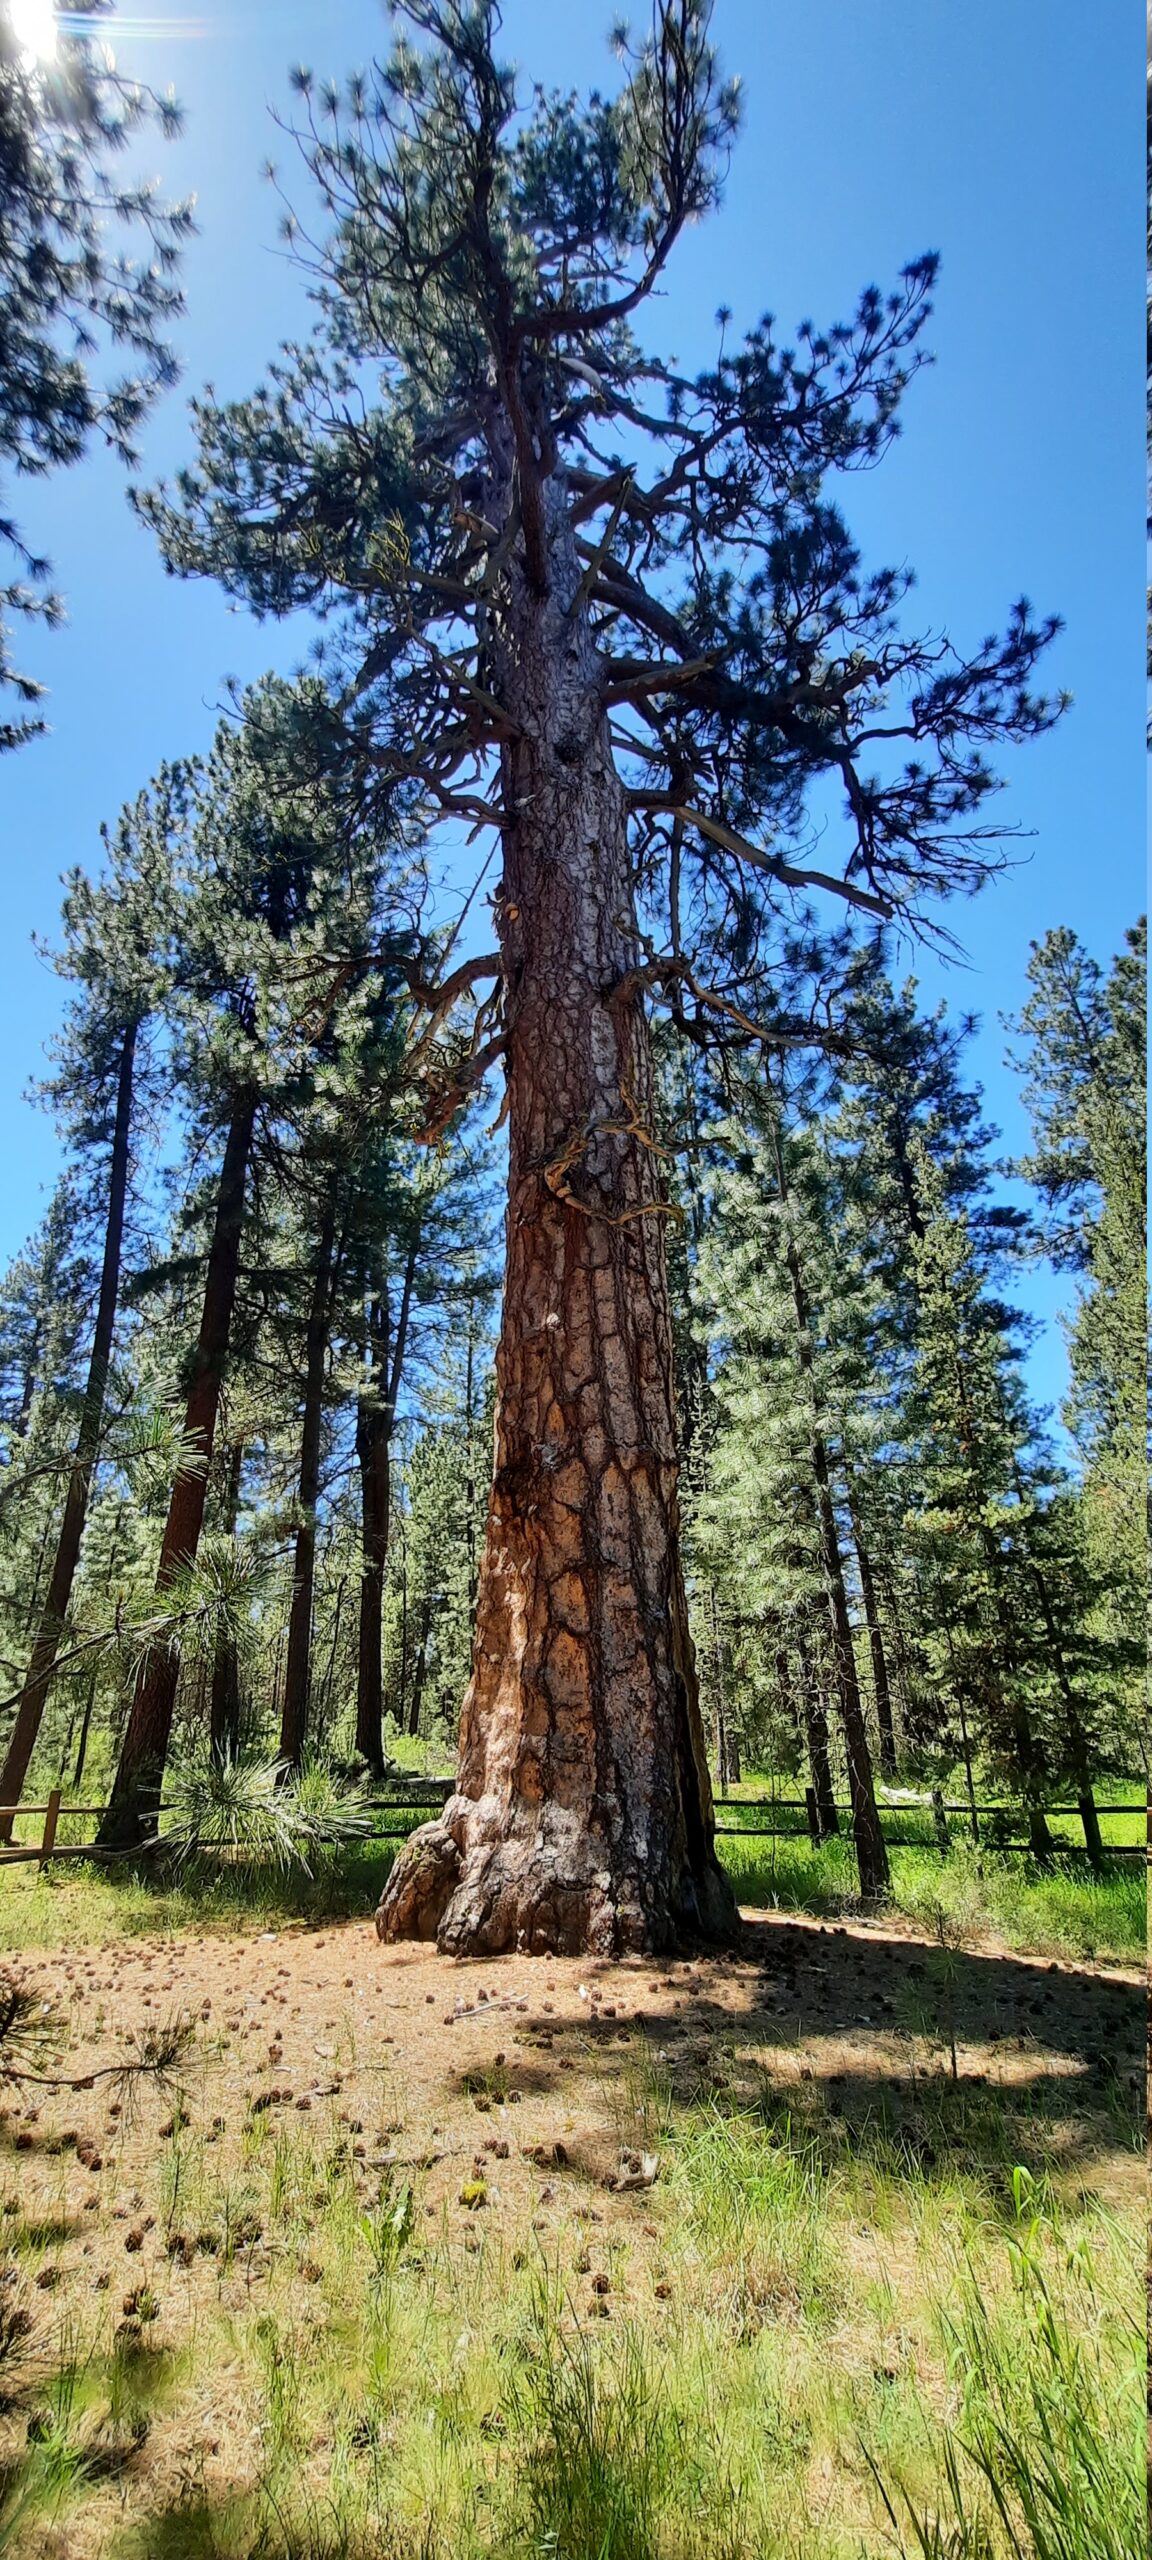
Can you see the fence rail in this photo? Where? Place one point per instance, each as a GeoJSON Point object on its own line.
{"type": "Point", "coordinates": [410, 1804]}
{"type": "Point", "coordinates": [932, 1813]}
{"type": "Point", "coordinates": [424, 1796]}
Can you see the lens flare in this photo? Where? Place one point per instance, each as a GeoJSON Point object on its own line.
{"type": "Point", "coordinates": [33, 23]}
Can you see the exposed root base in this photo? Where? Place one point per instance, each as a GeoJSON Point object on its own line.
{"type": "Point", "coordinates": [496, 1895]}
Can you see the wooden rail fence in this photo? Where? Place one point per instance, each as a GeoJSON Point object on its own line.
{"type": "Point", "coordinates": [410, 1804]}
{"type": "Point", "coordinates": [426, 1795]}
{"type": "Point", "coordinates": [934, 1809]}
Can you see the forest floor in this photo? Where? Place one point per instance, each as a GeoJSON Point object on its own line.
{"type": "Point", "coordinates": [588, 2260]}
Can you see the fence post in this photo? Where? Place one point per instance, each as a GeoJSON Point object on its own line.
{"type": "Point", "coordinates": [940, 1818]}
{"type": "Point", "coordinates": [51, 1818]}
{"type": "Point", "coordinates": [812, 1810]}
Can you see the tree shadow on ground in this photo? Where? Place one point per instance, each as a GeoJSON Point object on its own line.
{"type": "Point", "coordinates": [949, 2061]}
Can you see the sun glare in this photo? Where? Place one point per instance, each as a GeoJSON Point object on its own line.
{"type": "Point", "coordinates": [33, 24]}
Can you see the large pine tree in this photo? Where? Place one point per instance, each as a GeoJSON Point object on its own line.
{"type": "Point", "coordinates": [528, 524]}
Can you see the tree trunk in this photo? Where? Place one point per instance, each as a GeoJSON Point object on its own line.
{"type": "Point", "coordinates": [224, 1700]}
{"type": "Point", "coordinates": [22, 1740]}
{"type": "Point", "coordinates": [1025, 1746]}
{"type": "Point", "coordinates": [375, 1504]}
{"type": "Point", "coordinates": [881, 1686]}
{"type": "Point", "coordinates": [871, 1854]}
{"type": "Point", "coordinates": [868, 1838]}
{"type": "Point", "coordinates": [1073, 1712]}
{"type": "Point", "coordinates": [727, 1762]}
{"type": "Point", "coordinates": [375, 1423]}
{"type": "Point", "coordinates": [816, 1738]}
{"type": "Point", "coordinates": [85, 1729]}
{"type": "Point", "coordinates": [1028, 1757]}
{"type": "Point", "coordinates": [418, 1676]}
{"type": "Point", "coordinates": [582, 1817]}
{"type": "Point", "coordinates": [469, 1460]}
{"type": "Point", "coordinates": [297, 1673]}
{"type": "Point", "coordinates": [969, 1780]}
{"type": "Point", "coordinates": [144, 1749]}
{"type": "Point", "coordinates": [329, 1675]}
{"type": "Point", "coordinates": [1074, 1721]}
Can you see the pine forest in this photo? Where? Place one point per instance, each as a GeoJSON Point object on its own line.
{"type": "Point", "coordinates": [555, 1457]}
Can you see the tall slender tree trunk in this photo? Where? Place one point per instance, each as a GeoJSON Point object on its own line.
{"type": "Point", "coordinates": [1026, 1750]}
{"type": "Point", "coordinates": [969, 1780]}
{"type": "Point", "coordinates": [582, 1816]}
{"type": "Point", "coordinates": [469, 1460]}
{"type": "Point", "coordinates": [375, 1423]}
{"type": "Point", "coordinates": [868, 1838]}
{"type": "Point", "coordinates": [1074, 1722]}
{"type": "Point", "coordinates": [22, 1740]}
{"type": "Point", "coordinates": [224, 1700]}
{"type": "Point", "coordinates": [816, 1738]}
{"type": "Point", "coordinates": [402, 1672]}
{"type": "Point", "coordinates": [871, 1853]}
{"type": "Point", "coordinates": [85, 1729]}
{"type": "Point", "coordinates": [420, 1671]}
{"type": "Point", "coordinates": [337, 1614]}
{"type": "Point", "coordinates": [1073, 1711]}
{"type": "Point", "coordinates": [28, 1384]}
{"type": "Point", "coordinates": [373, 1455]}
{"type": "Point", "coordinates": [143, 1752]}
{"type": "Point", "coordinates": [899, 1653]}
{"type": "Point", "coordinates": [727, 1735]}
{"type": "Point", "coordinates": [297, 1672]}
{"type": "Point", "coordinates": [881, 1685]}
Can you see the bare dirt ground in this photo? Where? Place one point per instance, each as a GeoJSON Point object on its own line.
{"type": "Point", "coordinates": [527, 2097]}
{"type": "Point", "coordinates": [431, 2063]}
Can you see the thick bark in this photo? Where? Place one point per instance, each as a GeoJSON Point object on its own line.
{"type": "Point", "coordinates": [582, 1817]}
{"type": "Point", "coordinates": [22, 1740]}
{"type": "Point", "coordinates": [297, 1673]}
{"type": "Point", "coordinates": [375, 1423]}
{"type": "Point", "coordinates": [224, 1699]}
{"type": "Point", "coordinates": [140, 1770]}
{"type": "Point", "coordinates": [881, 1685]}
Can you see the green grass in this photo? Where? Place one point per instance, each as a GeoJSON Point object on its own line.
{"type": "Point", "coordinates": [89, 1905]}
{"type": "Point", "coordinates": [1046, 2454]}
{"type": "Point", "coordinates": [1061, 1910]}
{"type": "Point", "coordinates": [822, 2340]}
{"type": "Point", "coordinates": [1057, 1910]}
{"type": "Point", "coordinates": [969, 2389]}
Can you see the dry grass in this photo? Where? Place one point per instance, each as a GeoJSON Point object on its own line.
{"type": "Point", "coordinates": [391, 2282]}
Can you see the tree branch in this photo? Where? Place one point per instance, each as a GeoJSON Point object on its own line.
{"type": "Point", "coordinates": [739, 845]}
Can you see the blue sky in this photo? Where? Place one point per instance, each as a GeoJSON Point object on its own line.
{"type": "Point", "coordinates": [1008, 138]}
